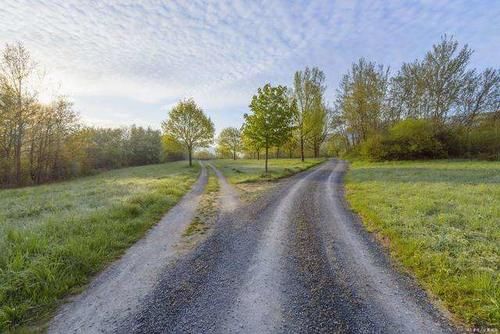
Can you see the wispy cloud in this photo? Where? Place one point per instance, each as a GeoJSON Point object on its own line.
{"type": "Point", "coordinates": [128, 61]}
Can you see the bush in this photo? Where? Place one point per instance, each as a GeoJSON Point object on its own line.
{"type": "Point", "coordinates": [407, 140]}
{"type": "Point", "coordinates": [414, 139]}
{"type": "Point", "coordinates": [373, 148]}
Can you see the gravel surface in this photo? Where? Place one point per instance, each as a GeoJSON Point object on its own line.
{"type": "Point", "coordinates": [117, 292]}
{"type": "Point", "coordinates": [296, 260]}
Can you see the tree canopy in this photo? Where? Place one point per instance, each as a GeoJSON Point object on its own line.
{"type": "Point", "coordinates": [188, 124]}
{"type": "Point", "coordinates": [229, 141]}
{"type": "Point", "coordinates": [271, 121]}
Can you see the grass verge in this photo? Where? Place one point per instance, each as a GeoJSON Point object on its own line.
{"type": "Point", "coordinates": [442, 221]}
{"type": "Point", "coordinates": [251, 170]}
{"type": "Point", "coordinates": [207, 208]}
{"type": "Point", "coordinates": [54, 238]}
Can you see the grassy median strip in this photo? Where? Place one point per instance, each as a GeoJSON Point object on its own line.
{"type": "Point", "coordinates": [53, 238]}
{"type": "Point", "coordinates": [207, 209]}
{"type": "Point", "coordinates": [442, 221]}
{"type": "Point", "coordinates": [247, 170]}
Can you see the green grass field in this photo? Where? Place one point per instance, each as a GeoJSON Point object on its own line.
{"type": "Point", "coordinates": [442, 220]}
{"type": "Point", "coordinates": [251, 170]}
{"type": "Point", "coordinates": [54, 237]}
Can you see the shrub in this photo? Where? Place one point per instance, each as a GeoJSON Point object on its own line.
{"type": "Point", "coordinates": [414, 139]}
{"type": "Point", "coordinates": [373, 148]}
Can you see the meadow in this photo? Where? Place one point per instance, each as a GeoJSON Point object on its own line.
{"type": "Point", "coordinates": [252, 170]}
{"type": "Point", "coordinates": [441, 220]}
{"type": "Point", "coordinates": [54, 237]}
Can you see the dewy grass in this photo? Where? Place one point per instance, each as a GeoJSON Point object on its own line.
{"type": "Point", "coordinates": [252, 170]}
{"type": "Point", "coordinates": [53, 238]}
{"type": "Point", "coordinates": [443, 222]}
{"type": "Point", "coordinates": [207, 209]}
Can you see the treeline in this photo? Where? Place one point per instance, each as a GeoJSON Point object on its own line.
{"type": "Point", "coordinates": [436, 107]}
{"type": "Point", "coordinates": [46, 142]}
{"type": "Point", "coordinates": [283, 121]}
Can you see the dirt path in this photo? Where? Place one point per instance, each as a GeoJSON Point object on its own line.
{"type": "Point", "coordinates": [116, 293]}
{"type": "Point", "coordinates": [229, 197]}
{"type": "Point", "coordinates": [294, 261]}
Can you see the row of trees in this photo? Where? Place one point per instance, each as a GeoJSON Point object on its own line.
{"type": "Point", "coordinates": [434, 107]}
{"type": "Point", "coordinates": [46, 142]}
{"type": "Point", "coordinates": [281, 120]}
{"type": "Point", "coordinates": [431, 108]}
{"type": "Point", "coordinates": [287, 121]}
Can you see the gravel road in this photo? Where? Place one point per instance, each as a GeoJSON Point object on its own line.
{"type": "Point", "coordinates": [296, 260]}
{"type": "Point", "coordinates": [117, 292]}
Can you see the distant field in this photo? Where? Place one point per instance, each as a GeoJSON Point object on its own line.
{"type": "Point", "coordinates": [252, 170]}
{"type": "Point", "coordinates": [443, 222]}
{"type": "Point", "coordinates": [54, 237]}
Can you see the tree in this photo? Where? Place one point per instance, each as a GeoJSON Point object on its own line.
{"type": "Point", "coordinates": [172, 149]}
{"type": "Point", "coordinates": [143, 146]}
{"type": "Point", "coordinates": [316, 126]}
{"type": "Point", "coordinates": [361, 98]}
{"type": "Point", "coordinates": [432, 88]}
{"type": "Point", "coordinates": [479, 94]}
{"type": "Point", "coordinates": [189, 126]}
{"type": "Point", "coordinates": [16, 70]}
{"type": "Point", "coordinates": [309, 87]}
{"type": "Point", "coordinates": [251, 146]}
{"type": "Point", "coordinates": [270, 122]}
{"type": "Point", "coordinates": [230, 140]}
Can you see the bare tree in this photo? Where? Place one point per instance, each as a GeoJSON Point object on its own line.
{"type": "Point", "coordinates": [16, 70]}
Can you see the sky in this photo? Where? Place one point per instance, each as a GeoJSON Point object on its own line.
{"type": "Point", "coordinates": [129, 62]}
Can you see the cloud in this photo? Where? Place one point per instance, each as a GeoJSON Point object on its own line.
{"type": "Point", "coordinates": [142, 56]}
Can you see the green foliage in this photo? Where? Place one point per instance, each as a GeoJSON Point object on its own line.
{"type": "Point", "coordinates": [447, 99]}
{"type": "Point", "coordinates": [53, 238]}
{"type": "Point", "coordinates": [172, 149]}
{"type": "Point", "coordinates": [44, 142]}
{"type": "Point", "coordinates": [250, 170]}
{"type": "Point", "coordinates": [188, 125]}
{"type": "Point", "coordinates": [441, 220]}
{"type": "Point", "coordinates": [143, 146]}
{"type": "Point", "coordinates": [360, 99]}
{"type": "Point", "coordinates": [270, 123]}
{"type": "Point", "coordinates": [229, 142]}
{"type": "Point", "coordinates": [207, 209]}
{"type": "Point", "coordinates": [412, 139]}
{"type": "Point", "coordinates": [310, 115]}
{"type": "Point", "coordinates": [483, 140]}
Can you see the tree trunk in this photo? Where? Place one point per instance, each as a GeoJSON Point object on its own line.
{"type": "Point", "coordinates": [190, 158]}
{"type": "Point", "coordinates": [258, 155]}
{"type": "Point", "coordinates": [17, 153]}
{"type": "Point", "coordinates": [234, 155]}
{"type": "Point", "coordinates": [302, 148]}
{"type": "Point", "coordinates": [267, 152]}
{"type": "Point", "coordinates": [316, 149]}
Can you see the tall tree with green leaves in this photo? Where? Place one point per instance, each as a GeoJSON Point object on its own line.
{"type": "Point", "coordinates": [361, 98]}
{"type": "Point", "coordinates": [309, 87]}
{"type": "Point", "coordinates": [189, 125]}
{"type": "Point", "coordinates": [271, 120]}
{"type": "Point", "coordinates": [230, 141]}
{"type": "Point", "coordinates": [249, 145]}
{"type": "Point", "coordinates": [316, 127]}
